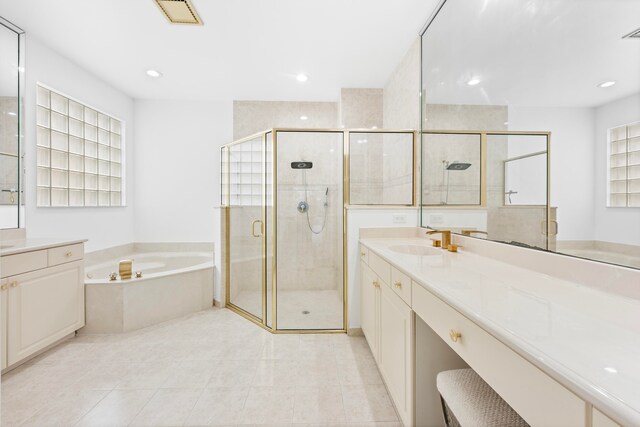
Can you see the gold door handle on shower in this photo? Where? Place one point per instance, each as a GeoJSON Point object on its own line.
{"type": "Point", "coordinates": [253, 228]}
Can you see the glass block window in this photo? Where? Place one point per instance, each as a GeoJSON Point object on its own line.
{"type": "Point", "coordinates": [79, 153]}
{"type": "Point", "coordinates": [624, 166]}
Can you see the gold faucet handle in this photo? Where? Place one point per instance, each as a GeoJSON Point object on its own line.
{"type": "Point", "coordinates": [436, 243]}
{"type": "Point", "coordinates": [453, 248]}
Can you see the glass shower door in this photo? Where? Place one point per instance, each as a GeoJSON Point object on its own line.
{"type": "Point", "coordinates": [309, 287]}
{"type": "Point", "coordinates": [246, 226]}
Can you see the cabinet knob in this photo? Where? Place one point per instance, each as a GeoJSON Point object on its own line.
{"type": "Point", "coordinates": [68, 254]}
{"type": "Point", "coordinates": [363, 253]}
{"type": "Point", "coordinates": [454, 335]}
{"type": "Point", "coordinates": [3, 287]}
{"type": "Point", "coordinates": [13, 284]}
{"type": "Point", "coordinates": [397, 284]}
{"type": "Point", "coordinates": [375, 284]}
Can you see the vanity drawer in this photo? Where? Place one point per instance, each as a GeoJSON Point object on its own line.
{"type": "Point", "coordinates": [380, 267]}
{"type": "Point", "coordinates": [11, 265]}
{"type": "Point", "coordinates": [68, 253]}
{"type": "Point", "coordinates": [364, 254]}
{"type": "Point", "coordinates": [539, 399]}
{"type": "Point", "coordinates": [401, 285]}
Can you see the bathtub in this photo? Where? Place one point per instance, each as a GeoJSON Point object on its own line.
{"type": "Point", "coordinates": [173, 283]}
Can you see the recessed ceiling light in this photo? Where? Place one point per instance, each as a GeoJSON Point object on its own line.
{"type": "Point", "coordinates": [611, 370]}
{"type": "Point", "coordinates": [302, 78]}
{"type": "Point", "coordinates": [154, 73]}
{"type": "Point", "coordinates": [474, 81]}
{"type": "Point", "coordinates": [607, 83]}
{"type": "Point", "coordinates": [303, 117]}
{"type": "Point", "coordinates": [11, 113]}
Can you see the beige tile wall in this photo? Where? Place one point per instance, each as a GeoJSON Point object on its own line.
{"type": "Point", "coordinates": [250, 117]}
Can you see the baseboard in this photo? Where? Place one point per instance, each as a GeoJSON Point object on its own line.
{"type": "Point", "coordinates": [355, 332]}
{"type": "Point", "coordinates": [217, 303]}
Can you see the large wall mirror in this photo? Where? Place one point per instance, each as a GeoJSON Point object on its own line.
{"type": "Point", "coordinates": [531, 124]}
{"type": "Point", "coordinates": [11, 117]}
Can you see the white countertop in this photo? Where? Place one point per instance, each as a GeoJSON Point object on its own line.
{"type": "Point", "coordinates": [11, 247]}
{"type": "Point", "coordinates": [585, 338]}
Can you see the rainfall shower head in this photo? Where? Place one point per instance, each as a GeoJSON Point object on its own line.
{"type": "Point", "coordinates": [301, 165]}
{"type": "Point", "coordinates": [458, 166]}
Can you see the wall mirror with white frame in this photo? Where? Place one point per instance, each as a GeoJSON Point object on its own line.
{"type": "Point", "coordinates": [530, 128]}
{"type": "Point", "coordinates": [11, 148]}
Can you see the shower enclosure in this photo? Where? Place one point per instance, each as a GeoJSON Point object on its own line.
{"type": "Point", "coordinates": [283, 198]}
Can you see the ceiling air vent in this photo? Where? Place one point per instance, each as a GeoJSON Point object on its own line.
{"type": "Point", "coordinates": [179, 11]}
{"type": "Point", "coordinates": [635, 34]}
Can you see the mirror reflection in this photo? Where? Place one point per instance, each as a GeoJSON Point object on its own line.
{"type": "Point", "coordinates": [545, 108]}
{"type": "Point", "coordinates": [11, 197]}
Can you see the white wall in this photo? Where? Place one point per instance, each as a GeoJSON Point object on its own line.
{"type": "Point", "coordinates": [572, 160]}
{"type": "Point", "coordinates": [620, 225]}
{"type": "Point", "coordinates": [104, 227]}
{"type": "Point", "coordinates": [177, 170]}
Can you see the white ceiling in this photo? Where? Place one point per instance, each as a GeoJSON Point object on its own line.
{"type": "Point", "coordinates": [532, 52]}
{"type": "Point", "coordinates": [247, 49]}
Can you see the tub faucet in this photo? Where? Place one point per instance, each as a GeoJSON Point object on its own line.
{"type": "Point", "coordinates": [446, 237]}
{"type": "Point", "coordinates": [125, 269]}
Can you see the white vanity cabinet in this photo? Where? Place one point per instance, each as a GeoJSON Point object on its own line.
{"type": "Point", "coordinates": [43, 299]}
{"type": "Point", "coordinates": [370, 307]}
{"type": "Point", "coordinates": [387, 323]}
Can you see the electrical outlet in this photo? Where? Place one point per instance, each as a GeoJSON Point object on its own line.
{"type": "Point", "coordinates": [399, 218]}
{"type": "Point", "coordinates": [436, 219]}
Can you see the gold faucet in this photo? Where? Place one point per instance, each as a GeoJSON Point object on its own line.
{"type": "Point", "coordinates": [446, 237]}
{"type": "Point", "coordinates": [471, 232]}
{"type": "Point", "coordinates": [124, 268]}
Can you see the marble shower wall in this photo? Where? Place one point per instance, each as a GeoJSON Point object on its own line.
{"type": "Point", "coordinates": [250, 117]}
{"type": "Point", "coordinates": [309, 261]}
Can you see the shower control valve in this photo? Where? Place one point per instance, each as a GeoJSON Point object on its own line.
{"type": "Point", "coordinates": [303, 206]}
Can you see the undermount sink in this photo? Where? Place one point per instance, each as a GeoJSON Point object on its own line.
{"type": "Point", "coordinates": [416, 250]}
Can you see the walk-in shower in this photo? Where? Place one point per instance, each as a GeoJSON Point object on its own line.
{"type": "Point", "coordinates": [283, 197]}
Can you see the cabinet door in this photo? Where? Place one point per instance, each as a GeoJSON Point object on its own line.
{"type": "Point", "coordinates": [3, 323]}
{"type": "Point", "coordinates": [43, 307]}
{"type": "Point", "coordinates": [396, 351]}
{"type": "Point", "coordinates": [369, 307]}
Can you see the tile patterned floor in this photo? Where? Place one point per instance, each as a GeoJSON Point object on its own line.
{"type": "Point", "coordinates": [211, 368]}
{"type": "Point", "coordinates": [297, 309]}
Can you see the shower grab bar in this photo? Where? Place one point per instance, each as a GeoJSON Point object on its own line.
{"type": "Point", "coordinates": [253, 228]}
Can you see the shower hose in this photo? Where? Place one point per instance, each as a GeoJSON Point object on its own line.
{"type": "Point", "coordinates": [326, 204]}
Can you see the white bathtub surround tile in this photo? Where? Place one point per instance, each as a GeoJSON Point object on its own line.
{"type": "Point", "coordinates": [269, 405]}
{"type": "Point", "coordinates": [218, 406]}
{"type": "Point", "coordinates": [358, 371]}
{"type": "Point", "coordinates": [364, 403]}
{"type": "Point", "coordinates": [318, 404]}
{"type": "Point", "coordinates": [233, 373]}
{"type": "Point", "coordinates": [189, 374]}
{"type": "Point", "coordinates": [168, 407]}
{"type": "Point", "coordinates": [66, 408]}
{"type": "Point", "coordinates": [118, 408]}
